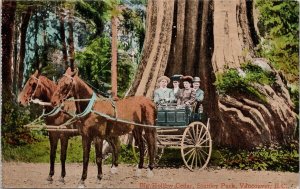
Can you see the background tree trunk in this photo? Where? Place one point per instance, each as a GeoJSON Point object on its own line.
{"type": "Point", "coordinates": [8, 21]}
{"type": "Point", "coordinates": [71, 41]}
{"type": "Point", "coordinates": [36, 64]}
{"type": "Point", "coordinates": [63, 37]}
{"type": "Point", "coordinates": [24, 25]}
{"type": "Point", "coordinates": [205, 38]}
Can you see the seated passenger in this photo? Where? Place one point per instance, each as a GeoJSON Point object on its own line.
{"type": "Point", "coordinates": [199, 98]}
{"type": "Point", "coordinates": [187, 95]}
{"type": "Point", "coordinates": [163, 94]}
{"type": "Point", "coordinates": [176, 90]}
{"type": "Point", "coordinates": [199, 92]}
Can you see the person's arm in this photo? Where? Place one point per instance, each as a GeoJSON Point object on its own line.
{"type": "Point", "coordinates": [200, 96]}
{"type": "Point", "coordinates": [172, 96]}
{"type": "Point", "coordinates": [192, 97]}
{"type": "Point", "coordinates": [156, 97]}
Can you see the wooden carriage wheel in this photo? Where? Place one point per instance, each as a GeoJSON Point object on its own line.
{"type": "Point", "coordinates": [135, 150]}
{"type": "Point", "coordinates": [196, 146]}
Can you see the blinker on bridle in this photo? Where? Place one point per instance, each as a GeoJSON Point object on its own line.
{"type": "Point", "coordinates": [37, 85]}
{"type": "Point", "coordinates": [70, 86]}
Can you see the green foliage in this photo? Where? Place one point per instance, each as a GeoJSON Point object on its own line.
{"type": "Point", "coordinates": [13, 118]}
{"type": "Point", "coordinates": [92, 11]}
{"type": "Point", "coordinates": [234, 83]}
{"type": "Point", "coordinates": [134, 24]}
{"type": "Point", "coordinates": [275, 159]}
{"type": "Point", "coordinates": [95, 66]}
{"type": "Point", "coordinates": [255, 73]}
{"type": "Point", "coordinates": [279, 25]}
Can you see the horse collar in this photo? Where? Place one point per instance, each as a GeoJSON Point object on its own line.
{"type": "Point", "coordinates": [89, 107]}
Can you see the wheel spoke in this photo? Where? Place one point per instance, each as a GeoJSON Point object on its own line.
{"type": "Point", "coordinates": [189, 141]}
{"type": "Point", "coordinates": [205, 134]}
{"type": "Point", "coordinates": [199, 135]}
{"type": "Point", "coordinates": [194, 135]}
{"type": "Point", "coordinates": [193, 159]}
{"type": "Point", "coordinates": [188, 151]}
{"type": "Point", "coordinates": [190, 156]}
{"type": "Point", "coordinates": [207, 139]}
{"type": "Point", "coordinates": [202, 156]}
{"type": "Point", "coordinates": [199, 155]}
{"type": "Point", "coordinates": [196, 154]}
{"type": "Point", "coordinates": [192, 138]}
{"type": "Point", "coordinates": [205, 154]}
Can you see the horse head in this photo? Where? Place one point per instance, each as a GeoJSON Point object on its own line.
{"type": "Point", "coordinates": [30, 89]}
{"type": "Point", "coordinates": [65, 87]}
{"type": "Point", "coordinates": [37, 87]}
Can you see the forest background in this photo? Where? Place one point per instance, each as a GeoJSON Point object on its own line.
{"type": "Point", "coordinates": [53, 35]}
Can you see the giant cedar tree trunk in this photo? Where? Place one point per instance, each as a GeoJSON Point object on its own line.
{"type": "Point", "coordinates": [202, 38]}
{"type": "Point", "coordinates": [7, 30]}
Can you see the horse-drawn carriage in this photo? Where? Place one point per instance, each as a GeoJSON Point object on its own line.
{"type": "Point", "coordinates": [98, 118]}
{"type": "Point", "coordinates": [182, 128]}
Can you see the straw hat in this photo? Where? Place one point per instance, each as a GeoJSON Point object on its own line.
{"type": "Point", "coordinates": [163, 78]}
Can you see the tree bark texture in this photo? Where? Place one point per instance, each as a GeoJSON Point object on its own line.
{"type": "Point", "coordinates": [203, 38]}
{"type": "Point", "coordinates": [63, 37]}
{"type": "Point", "coordinates": [7, 30]}
{"type": "Point", "coordinates": [71, 40]}
{"type": "Point", "coordinates": [24, 25]}
{"type": "Point", "coordinates": [37, 64]}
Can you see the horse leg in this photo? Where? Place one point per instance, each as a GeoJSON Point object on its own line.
{"type": "Point", "coordinates": [98, 148]}
{"type": "Point", "coordinates": [151, 141]}
{"type": "Point", "coordinates": [115, 145]}
{"type": "Point", "coordinates": [63, 155]}
{"type": "Point", "coordinates": [53, 138]}
{"type": "Point", "coordinates": [138, 136]}
{"type": "Point", "coordinates": [86, 144]}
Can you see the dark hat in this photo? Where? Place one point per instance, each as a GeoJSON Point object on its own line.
{"type": "Point", "coordinates": [196, 79]}
{"type": "Point", "coordinates": [187, 78]}
{"type": "Point", "coordinates": [176, 77]}
{"type": "Point", "coordinates": [162, 78]}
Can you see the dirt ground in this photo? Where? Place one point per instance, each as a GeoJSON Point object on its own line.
{"type": "Point", "coordinates": [33, 175]}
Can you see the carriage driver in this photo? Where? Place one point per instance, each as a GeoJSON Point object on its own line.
{"type": "Point", "coordinates": [187, 95]}
{"type": "Point", "coordinates": [163, 94]}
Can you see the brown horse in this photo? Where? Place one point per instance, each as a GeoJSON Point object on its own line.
{"type": "Point", "coordinates": [133, 109]}
{"type": "Point", "coordinates": [41, 88]}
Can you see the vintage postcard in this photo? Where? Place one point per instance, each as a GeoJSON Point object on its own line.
{"type": "Point", "coordinates": [151, 94]}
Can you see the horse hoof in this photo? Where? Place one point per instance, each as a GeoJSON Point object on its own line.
{"type": "Point", "coordinates": [99, 183]}
{"type": "Point", "coordinates": [50, 179]}
{"type": "Point", "coordinates": [81, 184]}
{"type": "Point", "coordinates": [150, 173]}
{"type": "Point", "coordinates": [114, 170]}
{"type": "Point", "coordinates": [138, 172]}
{"type": "Point", "coordinates": [62, 180]}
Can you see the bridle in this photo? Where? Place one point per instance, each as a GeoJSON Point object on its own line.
{"type": "Point", "coordinates": [37, 85]}
{"type": "Point", "coordinates": [70, 86]}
